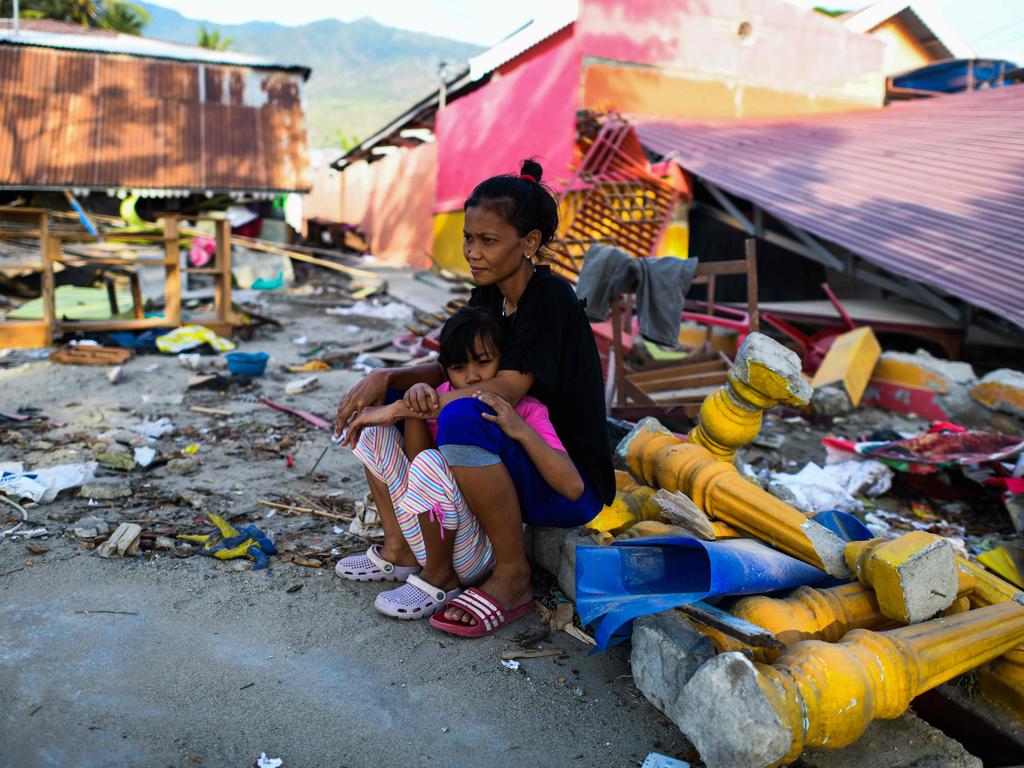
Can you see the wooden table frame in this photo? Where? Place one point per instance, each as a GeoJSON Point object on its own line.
{"type": "Point", "coordinates": [40, 333]}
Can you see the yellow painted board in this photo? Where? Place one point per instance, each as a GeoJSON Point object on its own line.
{"type": "Point", "coordinates": [1002, 563]}
{"type": "Point", "coordinates": [448, 242]}
{"type": "Point", "coordinates": [851, 360]}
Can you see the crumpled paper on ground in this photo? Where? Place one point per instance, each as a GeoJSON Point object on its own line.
{"type": "Point", "coordinates": [816, 489]}
{"type": "Point", "coordinates": [43, 485]}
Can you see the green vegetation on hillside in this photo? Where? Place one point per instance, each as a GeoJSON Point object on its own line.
{"type": "Point", "coordinates": [364, 73]}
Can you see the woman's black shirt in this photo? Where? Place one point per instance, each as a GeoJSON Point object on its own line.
{"type": "Point", "coordinates": [549, 336]}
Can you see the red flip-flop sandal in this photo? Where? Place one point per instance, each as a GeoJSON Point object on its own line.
{"type": "Point", "coordinates": [489, 615]}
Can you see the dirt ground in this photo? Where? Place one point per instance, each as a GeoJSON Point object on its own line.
{"type": "Point", "coordinates": [185, 661]}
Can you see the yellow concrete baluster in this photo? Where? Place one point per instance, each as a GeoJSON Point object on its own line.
{"type": "Point", "coordinates": [914, 576]}
{"type": "Point", "coordinates": [662, 460]}
{"type": "Point", "coordinates": [1002, 680]}
{"type": "Point", "coordinates": [764, 375]}
{"type": "Point", "coordinates": [818, 694]}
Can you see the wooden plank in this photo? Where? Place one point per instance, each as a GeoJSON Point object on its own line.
{"type": "Point", "coordinates": [680, 369]}
{"type": "Point", "coordinates": [712, 379]}
{"type": "Point", "coordinates": [25, 334]}
{"type": "Point", "coordinates": [222, 263]}
{"type": "Point", "coordinates": [634, 393]}
{"type": "Point", "coordinates": [88, 326]}
{"type": "Point", "coordinates": [172, 273]}
{"type": "Point", "coordinates": [753, 312]}
{"type": "Point", "coordinates": [734, 627]}
{"type": "Point", "coordinates": [85, 355]}
{"type": "Point", "coordinates": [734, 267]}
{"type": "Point", "coordinates": [259, 245]}
{"type": "Point", "coordinates": [617, 351]}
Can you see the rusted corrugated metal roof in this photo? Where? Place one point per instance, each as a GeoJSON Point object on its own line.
{"type": "Point", "coordinates": [929, 190]}
{"type": "Point", "coordinates": [95, 120]}
{"type": "Point", "coordinates": [48, 33]}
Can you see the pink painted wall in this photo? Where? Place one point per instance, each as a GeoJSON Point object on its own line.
{"type": "Point", "coordinates": [528, 109]}
{"type": "Point", "coordinates": [786, 47]}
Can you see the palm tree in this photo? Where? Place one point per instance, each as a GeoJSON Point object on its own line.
{"type": "Point", "coordinates": [210, 38]}
{"type": "Point", "coordinates": [115, 15]}
{"type": "Point", "coordinates": [128, 18]}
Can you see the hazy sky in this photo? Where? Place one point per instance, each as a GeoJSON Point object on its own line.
{"type": "Point", "coordinates": [995, 28]}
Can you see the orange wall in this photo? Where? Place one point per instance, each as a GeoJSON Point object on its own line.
{"type": "Point", "coordinates": [727, 58]}
{"type": "Point", "coordinates": [631, 90]}
{"type": "Point", "coordinates": [391, 201]}
{"type": "Point", "coordinates": [902, 49]}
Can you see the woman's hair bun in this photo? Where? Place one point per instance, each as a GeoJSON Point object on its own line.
{"type": "Point", "coordinates": [531, 168]}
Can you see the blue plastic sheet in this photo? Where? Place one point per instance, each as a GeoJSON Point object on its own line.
{"type": "Point", "coordinates": [642, 576]}
{"type": "Point", "coordinates": [844, 525]}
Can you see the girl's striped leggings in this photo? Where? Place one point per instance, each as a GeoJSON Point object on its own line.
{"type": "Point", "coordinates": [426, 485]}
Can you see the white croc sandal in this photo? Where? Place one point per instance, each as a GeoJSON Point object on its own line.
{"type": "Point", "coordinates": [416, 599]}
{"type": "Point", "coordinates": [370, 566]}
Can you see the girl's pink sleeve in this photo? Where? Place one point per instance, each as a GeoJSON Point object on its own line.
{"type": "Point", "coordinates": [535, 413]}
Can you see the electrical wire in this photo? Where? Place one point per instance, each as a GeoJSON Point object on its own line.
{"type": "Point", "coordinates": [24, 516]}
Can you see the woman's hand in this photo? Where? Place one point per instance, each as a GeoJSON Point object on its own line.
{"type": "Point", "coordinates": [373, 416]}
{"type": "Point", "coordinates": [510, 422]}
{"type": "Point", "coordinates": [422, 400]}
{"type": "Point", "coordinates": [368, 392]}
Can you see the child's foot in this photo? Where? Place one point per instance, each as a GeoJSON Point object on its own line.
{"type": "Point", "coordinates": [373, 566]}
{"type": "Point", "coordinates": [416, 599]}
{"type": "Point", "coordinates": [509, 587]}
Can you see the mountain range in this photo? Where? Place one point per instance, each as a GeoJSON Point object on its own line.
{"type": "Point", "coordinates": [364, 73]}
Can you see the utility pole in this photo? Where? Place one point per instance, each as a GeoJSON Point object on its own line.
{"type": "Point", "coordinates": [442, 91]}
{"type": "Point", "coordinates": [17, 23]}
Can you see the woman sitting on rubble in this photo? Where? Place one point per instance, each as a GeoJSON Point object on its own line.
{"type": "Point", "coordinates": [550, 354]}
{"type": "Point", "coordinates": [417, 488]}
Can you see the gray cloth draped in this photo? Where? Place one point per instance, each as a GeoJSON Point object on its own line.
{"type": "Point", "coordinates": [660, 286]}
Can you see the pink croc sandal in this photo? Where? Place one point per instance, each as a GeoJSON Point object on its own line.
{"type": "Point", "coordinates": [370, 566]}
{"type": "Point", "coordinates": [489, 615]}
{"type": "Point", "coordinates": [416, 599]}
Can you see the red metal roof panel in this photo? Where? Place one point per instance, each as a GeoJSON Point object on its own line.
{"type": "Point", "coordinates": [929, 190]}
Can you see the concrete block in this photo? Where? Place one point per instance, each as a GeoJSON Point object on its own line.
{"type": "Point", "coordinates": [914, 576]}
{"type": "Point", "coordinates": [730, 720]}
{"type": "Point", "coordinates": [105, 490]}
{"type": "Point", "coordinates": [1001, 390]}
{"type": "Point", "coordinates": [547, 547]}
{"type": "Point", "coordinates": [566, 572]}
{"type": "Point", "coordinates": [924, 370]}
{"type": "Point", "coordinates": [667, 650]}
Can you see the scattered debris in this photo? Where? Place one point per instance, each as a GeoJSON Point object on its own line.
{"type": "Point", "coordinates": [43, 485]}
{"type": "Point", "coordinates": [534, 654]}
{"type": "Point", "coordinates": [299, 386]}
{"type": "Point", "coordinates": [186, 465]}
{"type": "Point", "coordinates": [105, 490]}
{"type": "Point", "coordinates": [91, 355]}
{"type": "Point", "coordinates": [89, 527]}
{"type": "Point", "coordinates": [124, 541]}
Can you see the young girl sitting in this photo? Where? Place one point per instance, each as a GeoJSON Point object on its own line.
{"type": "Point", "coordinates": [433, 542]}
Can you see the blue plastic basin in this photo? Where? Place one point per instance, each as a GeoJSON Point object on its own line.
{"type": "Point", "coordinates": [247, 363]}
